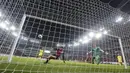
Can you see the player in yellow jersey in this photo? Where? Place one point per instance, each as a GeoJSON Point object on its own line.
{"type": "Point", "coordinates": [119, 58]}
{"type": "Point", "coordinates": [41, 53]}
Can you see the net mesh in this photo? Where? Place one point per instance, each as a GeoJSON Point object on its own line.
{"type": "Point", "coordinates": [81, 28]}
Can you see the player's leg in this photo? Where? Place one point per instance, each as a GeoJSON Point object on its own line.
{"type": "Point", "coordinates": [93, 59]}
{"type": "Point", "coordinates": [97, 59]}
{"type": "Point", "coordinates": [40, 55]}
{"type": "Point", "coordinates": [37, 55]}
{"type": "Point", "coordinates": [49, 58]}
{"type": "Point", "coordinates": [87, 60]}
{"type": "Point", "coordinates": [120, 62]}
{"type": "Point", "coordinates": [63, 57]}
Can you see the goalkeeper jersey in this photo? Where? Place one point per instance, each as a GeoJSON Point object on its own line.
{"type": "Point", "coordinates": [96, 51]}
{"type": "Point", "coordinates": [119, 58]}
{"type": "Point", "coordinates": [41, 52]}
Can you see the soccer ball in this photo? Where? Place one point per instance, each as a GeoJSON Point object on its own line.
{"type": "Point", "coordinates": [40, 36]}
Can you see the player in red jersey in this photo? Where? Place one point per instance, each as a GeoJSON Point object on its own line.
{"type": "Point", "coordinates": [58, 53]}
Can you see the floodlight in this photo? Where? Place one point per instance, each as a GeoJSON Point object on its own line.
{"type": "Point", "coordinates": [7, 22]}
{"type": "Point", "coordinates": [91, 34]}
{"type": "Point", "coordinates": [58, 45]}
{"type": "Point", "coordinates": [24, 38]}
{"type": "Point", "coordinates": [106, 53]}
{"type": "Point", "coordinates": [105, 32]}
{"type": "Point", "coordinates": [85, 38]}
{"type": "Point", "coordinates": [14, 34]}
{"type": "Point", "coordinates": [34, 41]}
{"type": "Point", "coordinates": [47, 51]}
{"type": "Point", "coordinates": [80, 40]}
{"type": "Point", "coordinates": [98, 35]}
{"type": "Point", "coordinates": [85, 41]}
{"type": "Point", "coordinates": [129, 19]}
{"type": "Point", "coordinates": [119, 19]}
{"type": "Point", "coordinates": [13, 28]}
{"type": "Point", "coordinates": [69, 45]}
{"type": "Point", "coordinates": [0, 14]}
{"type": "Point", "coordinates": [3, 26]}
{"type": "Point", "coordinates": [63, 45]}
{"type": "Point", "coordinates": [101, 29]}
{"type": "Point", "coordinates": [76, 43]}
{"type": "Point", "coordinates": [7, 28]}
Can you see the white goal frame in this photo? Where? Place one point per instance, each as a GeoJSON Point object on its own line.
{"type": "Point", "coordinates": [23, 21]}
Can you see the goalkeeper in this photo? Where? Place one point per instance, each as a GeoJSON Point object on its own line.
{"type": "Point", "coordinates": [96, 54]}
{"type": "Point", "coordinates": [119, 58]}
{"type": "Point", "coordinates": [41, 52]}
{"type": "Point", "coordinates": [58, 53]}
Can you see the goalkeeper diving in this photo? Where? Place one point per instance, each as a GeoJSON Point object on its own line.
{"type": "Point", "coordinates": [56, 55]}
{"type": "Point", "coordinates": [96, 54]}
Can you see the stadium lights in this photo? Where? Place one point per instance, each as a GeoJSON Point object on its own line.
{"type": "Point", "coordinates": [3, 26]}
{"type": "Point", "coordinates": [119, 19]}
{"type": "Point", "coordinates": [76, 43]}
{"type": "Point", "coordinates": [34, 41]}
{"type": "Point", "coordinates": [107, 53]}
{"type": "Point", "coordinates": [85, 41]}
{"type": "Point", "coordinates": [14, 34]}
{"type": "Point", "coordinates": [101, 29]}
{"type": "Point", "coordinates": [69, 45]}
{"type": "Point", "coordinates": [7, 28]}
{"type": "Point", "coordinates": [129, 19]}
{"type": "Point", "coordinates": [80, 40]}
{"type": "Point", "coordinates": [0, 14]}
{"type": "Point", "coordinates": [7, 22]}
{"type": "Point", "coordinates": [105, 32]}
{"type": "Point", "coordinates": [63, 45]}
{"type": "Point", "coordinates": [91, 34]}
{"type": "Point", "coordinates": [58, 45]}
{"type": "Point", "coordinates": [13, 28]}
{"type": "Point", "coordinates": [85, 38]}
{"type": "Point", "coordinates": [47, 51]}
{"type": "Point", "coordinates": [24, 38]}
{"type": "Point", "coordinates": [98, 35]}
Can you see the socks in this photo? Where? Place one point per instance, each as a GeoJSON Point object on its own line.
{"type": "Point", "coordinates": [46, 61]}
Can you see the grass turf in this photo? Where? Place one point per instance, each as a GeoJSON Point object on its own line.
{"type": "Point", "coordinates": [33, 65]}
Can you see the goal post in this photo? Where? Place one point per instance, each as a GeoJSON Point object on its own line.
{"type": "Point", "coordinates": [122, 51]}
{"type": "Point", "coordinates": [17, 38]}
{"type": "Point", "coordinates": [30, 16]}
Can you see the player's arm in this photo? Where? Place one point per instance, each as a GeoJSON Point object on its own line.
{"type": "Point", "coordinates": [103, 51]}
{"type": "Point", "coordinates": [89, 52]}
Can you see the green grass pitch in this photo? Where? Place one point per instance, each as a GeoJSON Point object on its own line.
{"type": "Point", "coordinates": [33, 65]}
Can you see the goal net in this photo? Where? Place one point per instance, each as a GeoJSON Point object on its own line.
{"type": "Point", "coordinates": [62, 37]}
